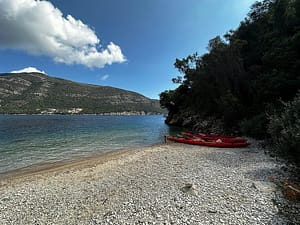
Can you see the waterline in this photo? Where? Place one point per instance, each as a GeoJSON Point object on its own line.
{"type": "Point", "coordinates": [36, 139]}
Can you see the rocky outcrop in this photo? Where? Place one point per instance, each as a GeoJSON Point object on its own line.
{"type": "Point", "coordinates": [195, 122]}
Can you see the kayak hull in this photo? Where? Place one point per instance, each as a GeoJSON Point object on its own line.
{"type": "Point", "coordinates": [208, 143]}
{"type": "Point", "coordinates": [210, 137]}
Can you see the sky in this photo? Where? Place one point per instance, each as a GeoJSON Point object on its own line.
{"type": "Point", "coordinates": [128, 44]}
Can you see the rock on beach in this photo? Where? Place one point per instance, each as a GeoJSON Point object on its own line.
{"type": "Point", "coordinates": [163, 184]}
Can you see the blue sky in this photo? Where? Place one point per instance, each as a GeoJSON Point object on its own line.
{"type": "Point", "coordinates": [129, 44]}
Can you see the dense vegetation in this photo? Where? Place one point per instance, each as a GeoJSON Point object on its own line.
{"type": "Point", "coordinates": [284, 127]}
{"type": "Point", "coordinates": [38, 93]}
{"type": "Point", "coordinates": [245, 76]}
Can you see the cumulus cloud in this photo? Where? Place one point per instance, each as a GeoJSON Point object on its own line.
{"type": "Point", "coordinates": [39, 28]}
{"type": "Point", "coordinates": [28, 70]}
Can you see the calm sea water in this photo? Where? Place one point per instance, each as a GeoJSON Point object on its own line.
{"type": "Point", "coordinates": [27, 140]}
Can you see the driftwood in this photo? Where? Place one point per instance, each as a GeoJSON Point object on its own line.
{"type": "Point", "coordinates": [290, 190]}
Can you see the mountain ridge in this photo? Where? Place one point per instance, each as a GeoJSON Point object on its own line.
{"type": "Point", "coordinates": [37, 93]}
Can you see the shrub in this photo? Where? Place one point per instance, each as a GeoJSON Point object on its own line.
{"type": "Point", "coordinates": [255, 127]}
{"type": "Point", "coordinates": [284, 128]}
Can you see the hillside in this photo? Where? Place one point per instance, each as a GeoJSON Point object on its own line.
{"type": "Point", "coordinates": [38, 93]}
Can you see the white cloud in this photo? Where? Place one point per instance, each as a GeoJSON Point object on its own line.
{"type": "Point", "coordinates": [28, 70]}
{"type": "Point", "coordinates": [105, 77]}
{"type": "Point", "coordinates": [39, 28]}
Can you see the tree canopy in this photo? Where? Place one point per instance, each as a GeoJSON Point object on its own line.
{"type": "Point", "coordinates": [247, 72]}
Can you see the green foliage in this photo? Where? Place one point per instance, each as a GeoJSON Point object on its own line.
{"type": "Point", "coordinates": [284, 128]}
{"type": "Point", "coordinates": [231, 108]}
{"type": "Point", "coordinates": [167, 99]}
{"type": "Point", "coordinates": [244, 75]}
{"type": "Point", "coordinates": [255, 126]}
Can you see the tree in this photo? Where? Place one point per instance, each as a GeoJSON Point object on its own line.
{"type": "Point", "coordinates": [245, 74]}
{"type": "Point", "coordinates": [284, 129]}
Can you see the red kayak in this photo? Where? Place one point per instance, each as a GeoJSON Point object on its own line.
{"type": "Point", "coordinates": [214, 137]}
{"type": "Point", "coordinates": [210, 134]}
{"type": "Point", "coordinates": [211, 143]}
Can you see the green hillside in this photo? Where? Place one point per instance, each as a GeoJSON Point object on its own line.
{"type": "Point", "coordinates": [38, 93]}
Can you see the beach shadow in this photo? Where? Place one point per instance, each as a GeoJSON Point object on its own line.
{"type": "Point", "coordinates": [265, 174]}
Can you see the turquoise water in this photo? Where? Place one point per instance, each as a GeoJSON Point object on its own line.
{"type": "Point", "coordinates": [27, 140]}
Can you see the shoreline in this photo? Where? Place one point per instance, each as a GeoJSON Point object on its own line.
{"type": "Point", "coordinates": [125, 113]}
{"type": "Point", "coordinates": [63, 165]}
{"type": "Point", "coordinates": [165, 183]}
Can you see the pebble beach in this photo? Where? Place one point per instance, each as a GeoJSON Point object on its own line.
{"type": "Point", "coordinates": [162, 184]}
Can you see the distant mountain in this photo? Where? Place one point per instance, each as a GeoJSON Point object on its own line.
{"type": "Point", "coordinates": [38, 93]}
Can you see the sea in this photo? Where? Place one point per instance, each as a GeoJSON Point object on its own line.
{"type": "Point", "coordinates": [29, 140]}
